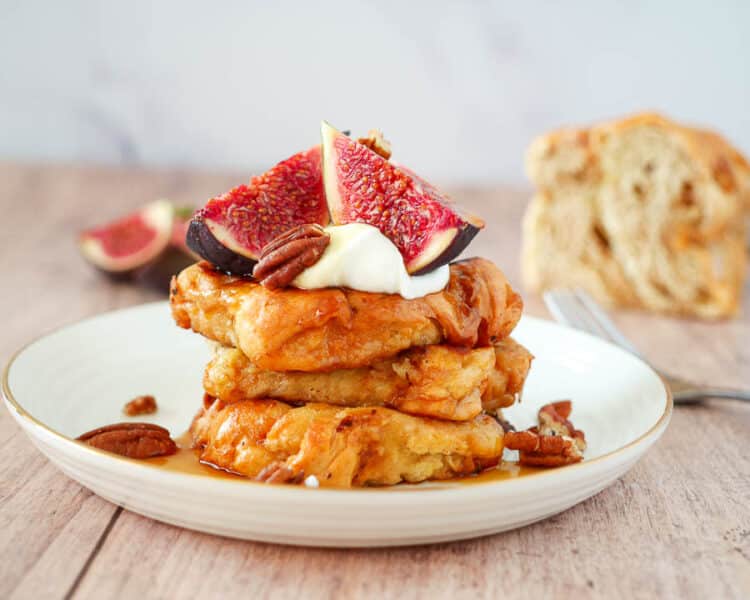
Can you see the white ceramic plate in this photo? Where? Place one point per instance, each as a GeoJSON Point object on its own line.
{"type": "Point", "coordinates": [79, 377]}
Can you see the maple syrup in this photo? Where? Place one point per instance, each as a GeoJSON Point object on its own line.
{"type": "Point", "coordinates": [505, 470]}
{"type": "Point", "coordinates": [187, 460]}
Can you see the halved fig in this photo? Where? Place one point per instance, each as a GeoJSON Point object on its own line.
{"type": "Point", "coordinates": [130, 243]}
{"type": "Point", "coordinates": [231, 230]}
{"type": "Point", "coordinates": [361, 186]}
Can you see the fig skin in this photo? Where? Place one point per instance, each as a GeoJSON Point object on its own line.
{"type": "Point", "coordinates": [459, 243]}
{"type": "Point", "coordinates": [182, 217]}
{"type": "Point", "coordinates": [201, 241]}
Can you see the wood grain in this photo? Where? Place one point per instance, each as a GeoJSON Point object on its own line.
{"type": "Point", "coordinates": [678, 525]}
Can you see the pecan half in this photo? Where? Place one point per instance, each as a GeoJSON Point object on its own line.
{"type": "Point", "coordinates": [134, 440]}
{"type": "Point", "coordinates": [287, 255]}
{"type": "Point", "coordinates": [140, 405]}
{"type": "Point", "coordinates": [554, 443]}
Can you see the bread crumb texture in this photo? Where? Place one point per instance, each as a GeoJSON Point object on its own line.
{"type": "Point", "coordinates": [641, 212]}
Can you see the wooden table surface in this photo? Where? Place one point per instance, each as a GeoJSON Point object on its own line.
{"type": "Point", "coordinates": [677, 525]}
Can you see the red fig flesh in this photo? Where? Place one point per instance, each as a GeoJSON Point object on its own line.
{"type": "Point", "coordinates": [129, 243]}
{"type": "Point", "coordinates": [231, 230]}
{"type": "Point", "coordinates": [363, 187]}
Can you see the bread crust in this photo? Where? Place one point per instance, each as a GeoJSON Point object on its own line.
{"type": "Point", "coordinates": [709, 149]}
{"type": "Point", "coordinates": [641, 212]}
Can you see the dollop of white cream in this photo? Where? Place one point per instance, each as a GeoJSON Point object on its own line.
{"type": "Point", "coordinates": [361, 258]}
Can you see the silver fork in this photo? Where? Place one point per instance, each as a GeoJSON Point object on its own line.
{"type": "Point", "coordinates": [577, 309]}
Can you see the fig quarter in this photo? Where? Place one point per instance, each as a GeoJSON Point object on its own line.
{"type": "Point", "coordinates": [232, 229]}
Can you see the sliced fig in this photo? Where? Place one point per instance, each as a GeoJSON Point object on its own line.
{"type": "Point", "coordinates": [231, 230]}
{"type": "Point", "coordinates": [130, 243]}
{"type": "Point", "coordinates": [361, 186]}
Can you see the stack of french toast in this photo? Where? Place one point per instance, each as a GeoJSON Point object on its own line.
{"type": "Point", "coordinates": [346, 388]}
{"type": "Point", "coordinates": [350, 347]}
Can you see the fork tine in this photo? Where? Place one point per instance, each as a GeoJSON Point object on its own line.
{"type": "Point", "coordinates": [605, 322]}
{"type": "Point", "coordinates": [579, 310]}
{"type": "Point", "coordinates": [553, 301]}
{"type": "Point", "coordinates": [567, 308]}
{"type": "Point", "coordinates": [558, 303]}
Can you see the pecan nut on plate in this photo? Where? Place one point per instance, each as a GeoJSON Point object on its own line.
{"type": "Point", "coordinates": [134, 440]}
{"type": "Point", "coordinates": [140, 405]}
{"type": "Point", "coordinates": [554, 443]}
{"type": "Point", "coordinates": [287, 255]}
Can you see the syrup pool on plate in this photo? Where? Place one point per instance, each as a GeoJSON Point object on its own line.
{"type": "Point", "coordinates": [186, 460]}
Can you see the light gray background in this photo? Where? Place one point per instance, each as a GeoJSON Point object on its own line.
{"type": "Point", "coordinates": [459, 88]}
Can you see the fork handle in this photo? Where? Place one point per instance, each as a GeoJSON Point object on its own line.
{"type": "Point", "coordinates": [700, 393]}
